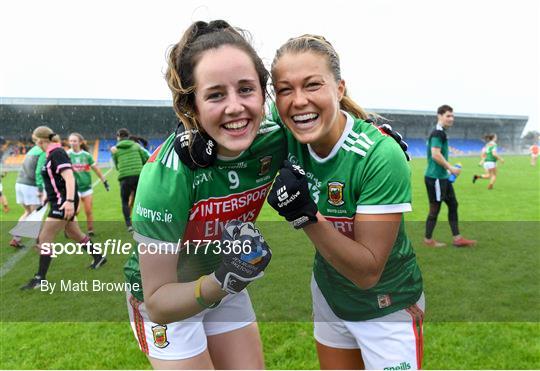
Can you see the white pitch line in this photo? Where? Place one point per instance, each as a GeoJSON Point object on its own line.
{"type": "Point", "coordinates": [10, 263]}
{"type": "Point", "coordinates": [14, 259]}
{"type": "Point", "coordinates": [104, 175]}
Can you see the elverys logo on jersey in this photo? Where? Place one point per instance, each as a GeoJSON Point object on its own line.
{"type": "Point", "coordinates": [335, 193]}
{"type": "Point", "coordinates": [208, 217]}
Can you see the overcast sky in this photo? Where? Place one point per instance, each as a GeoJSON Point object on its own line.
{"type": "Point", "coordinates": [478, 56]}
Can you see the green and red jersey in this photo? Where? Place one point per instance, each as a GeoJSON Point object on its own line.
{"type": "Point", "coordinates": [82, 162]}
{"type": "Point", "coordinates": [177, 205]}
{"type": "Point", "coordinates": [365, 173]}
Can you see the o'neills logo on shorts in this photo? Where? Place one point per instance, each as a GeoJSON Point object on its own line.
{"type": "Point", "coordinates": [208, 217]}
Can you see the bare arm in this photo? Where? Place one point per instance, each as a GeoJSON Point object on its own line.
{"type": "Point", "coordinates": [494, 153]}
{"type": "Point", "coordinates": [437, 156]}
{"type": "Point", "coordinates": [363, 259]}
{"type": "Point", "coordinates": [98, 172]}
{"type": "Point", "coordinates": [166, 299]}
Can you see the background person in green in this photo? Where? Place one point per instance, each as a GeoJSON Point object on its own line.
{"type": "Point", "coordinates": [81, 162]}
{"type": "Point", "coordinates": [29, 185]}
{"type": "Point", "coordinates": [129, 158]}
{"type": "Point", "coordinates": [350, 198]}
{"type": "Point", "coordinates": [439, 188]}
{"type": "Point", "coordinates": [489, 160]}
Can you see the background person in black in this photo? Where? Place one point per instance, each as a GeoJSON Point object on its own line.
{"type": "Point", "coordinates": [439, 188]}
{"type": "Point", "coordinates": [61, 190]}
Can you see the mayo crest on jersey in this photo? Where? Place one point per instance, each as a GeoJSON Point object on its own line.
{"type": "Point", "coordinates": [175, 204]}
{"type": "Point", "coordinates": [366, 172]}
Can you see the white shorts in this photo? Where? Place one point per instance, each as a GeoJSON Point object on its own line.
{"type": "Point", "coordinates": [394, 341]}
{"type": "Point", "coordinates": [187, 338]}
{"type": "Point", "coordinates": [86, 193]}
{"type": "Point", "coordinates": [490, 165]}
{"type": "Point", "coordinates": [26, 194]}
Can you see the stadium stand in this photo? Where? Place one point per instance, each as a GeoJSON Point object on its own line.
{"type": "Point", "coordinates": [466, 134]}
{"type": "Point", "coordinates": [98, 119]}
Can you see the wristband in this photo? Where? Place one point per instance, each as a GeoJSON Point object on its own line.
{"type": "Point", "coordinates": [69, 200]}
{"type": "Point", "coordinates": [199, 298]}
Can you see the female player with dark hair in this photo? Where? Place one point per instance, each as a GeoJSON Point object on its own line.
{"type": "Point", "coordinates": [489, 160]}
{"type": "Point", "coordinates": [193, 311]}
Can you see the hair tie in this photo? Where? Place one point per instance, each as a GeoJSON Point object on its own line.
{"type": "Point", "coordinates": [51, 136]}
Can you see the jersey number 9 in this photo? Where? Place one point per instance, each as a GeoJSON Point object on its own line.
{"type": "Point", "coordinates": [233, 179]}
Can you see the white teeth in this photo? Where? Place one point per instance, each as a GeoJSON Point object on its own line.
{"type": "Point", "coordinates": [236, 124]}
{"type": "Point", "coordinates": [305, 117]}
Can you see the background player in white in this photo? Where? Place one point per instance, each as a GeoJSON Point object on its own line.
{"type": "Point", "coordinates": [82, 162]}
{"type": "Point", "coordinates": [367, 291]}
{"type": "Point", "coordinates": [29, 185]}
{"type": "Point", "coordinates": [489, 160]}
{"type": "Point", "coordinates": [186, 319]}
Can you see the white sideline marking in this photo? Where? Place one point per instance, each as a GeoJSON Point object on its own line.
{"type": "Point", "coordinates": [104, 175]}
{"type": "Point", "coordinates": [10, 263]}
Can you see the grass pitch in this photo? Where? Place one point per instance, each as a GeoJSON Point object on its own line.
{"type": "Point", "coordinates": [483, 306]}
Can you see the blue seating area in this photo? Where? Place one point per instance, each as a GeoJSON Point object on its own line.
{"type": "Point", "coordinates": [104, 150]}
{"type": "Point", "coordinates": [417, 146]}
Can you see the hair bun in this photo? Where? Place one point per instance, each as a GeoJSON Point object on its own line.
{"type": "Point", "coordinates": [52, 135]}
{"type": "Point", "coordinates": [218, 24]}
{"type": "Point", "coordinates": [202, 28]}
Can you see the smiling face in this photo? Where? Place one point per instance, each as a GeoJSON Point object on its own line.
{"type": "Point", "coordinates": [228, 98]}
{"type": "Point", "coordinates": [307, 98]}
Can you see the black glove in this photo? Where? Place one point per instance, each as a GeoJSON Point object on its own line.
{"type": "Point", "coordinates": [106, 185]}
{"type": "Point", "coordinates": [245, 255]}
{"type": "Point", "coordinates": [290, 196]}
{"type": "Point", "coordinates": [195, 149]}
{"type": "Point", "coordinates": [387, 129]}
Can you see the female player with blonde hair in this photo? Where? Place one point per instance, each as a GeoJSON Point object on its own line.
{"type": "Point", "coordinates": [347, 185]}
{"type": "Point", "coordinates": [61, 190]}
